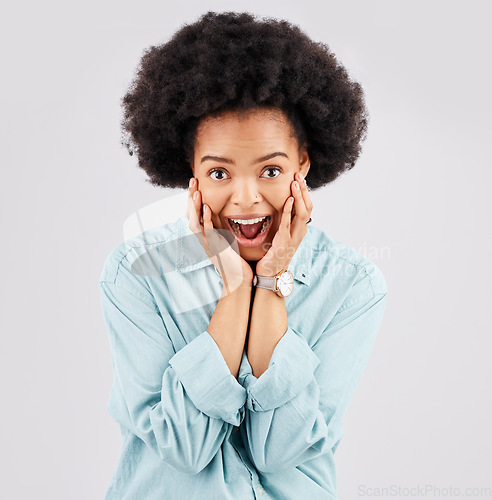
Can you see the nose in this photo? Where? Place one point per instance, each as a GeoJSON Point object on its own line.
{"type": "Point", "coordinates": [245, 193]}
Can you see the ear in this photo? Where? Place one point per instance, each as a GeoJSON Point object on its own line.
{"type": "Point", "coordinates": [304, 161]}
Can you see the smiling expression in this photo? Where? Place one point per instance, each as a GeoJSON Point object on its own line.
{"type": "Point", "coordinates": [245, 165]}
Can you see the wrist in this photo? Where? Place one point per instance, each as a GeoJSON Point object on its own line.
{"type": "Point", "coordinates": [271, 271]}
{"type": "Point", "coordinates": [242, 289]}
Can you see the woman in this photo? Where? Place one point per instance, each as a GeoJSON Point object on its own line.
{"type": "Point", "coordinates": [238, 332]}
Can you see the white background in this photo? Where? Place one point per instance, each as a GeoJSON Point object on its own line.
{"type": "Point", "coordinates": [417, 203]}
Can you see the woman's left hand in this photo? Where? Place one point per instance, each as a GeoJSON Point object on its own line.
{"type": "Point", "coordinates": [291, 231]}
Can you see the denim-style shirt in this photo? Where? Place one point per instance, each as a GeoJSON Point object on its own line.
{"type": "Point", "coordinates": [190, 429]}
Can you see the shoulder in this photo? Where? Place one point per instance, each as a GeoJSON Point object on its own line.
{"type": "Point", "coordinates": [351, 275]}
{"type": "Point", "coordinates": [137, 255]}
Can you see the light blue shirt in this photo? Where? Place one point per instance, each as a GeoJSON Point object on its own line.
{"type": "Point", "coordinates": [190, 429]}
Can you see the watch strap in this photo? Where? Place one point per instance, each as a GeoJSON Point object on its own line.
{"type": "Point", "coordinates": [268, 282]}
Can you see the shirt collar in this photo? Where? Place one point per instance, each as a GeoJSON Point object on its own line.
{"type": "Point", "coordinates": [191, 255]}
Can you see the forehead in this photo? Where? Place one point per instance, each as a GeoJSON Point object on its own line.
{"type": "Point", "coordinates": [259, 126]}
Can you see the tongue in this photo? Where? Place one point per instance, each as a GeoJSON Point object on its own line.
{"type": "Point", "coordinates": [250, 230]}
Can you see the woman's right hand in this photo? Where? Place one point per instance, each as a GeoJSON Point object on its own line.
{"type": "Point", "coordinates": [234, 270]}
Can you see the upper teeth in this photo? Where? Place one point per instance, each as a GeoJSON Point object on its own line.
{"type": "Point", "coordinates": [249, 221]}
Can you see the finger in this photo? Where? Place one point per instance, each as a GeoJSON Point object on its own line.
{"type": "Point", "coordinates": [207, 217]}
{"type": "Point", "coordinates": [306, 197]}
{"type": "Point", "coordinates": [192, 216]}
{"type": "Point", "coordinates": [192, 212]}
{"type": "Point", "coordinates": [285, 221]}
{"type": "Point", "coordinates": [212, 237]}
{"type": "Point", "coordinates": [189, 201]}
{"type": "Point", "coordinates": [208, 226]}
{"type": "Point", "coordinates": [204, 236]}
{"type": "Point", "coordinates": [302, 213]}
{"type": "Point", "coordinates": [195, 208]}
{"type": "Point", "coordinates": [207, 223]}
{"type": "Point", "coordinates": [299, 204]}
{"type": "Point", "coordinates": [196, 225]}
{"type": "Point", "coordinates": [199, 207]}
{"type": "Point", "coordinates": [212, 240]}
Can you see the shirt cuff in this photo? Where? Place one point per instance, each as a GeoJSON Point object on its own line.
{"type": "Point", "coordinates": [207, 380]}
{"type": "Point", "coordinates": [290, 370]}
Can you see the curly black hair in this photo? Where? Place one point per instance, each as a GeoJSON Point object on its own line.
{"type": "Point", "coordinates": [233, 61]}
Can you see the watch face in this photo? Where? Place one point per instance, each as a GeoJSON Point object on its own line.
{"type": "Point", "coordinates": [285, 283]}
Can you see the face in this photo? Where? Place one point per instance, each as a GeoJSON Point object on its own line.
{"type": "Point", "coordinates": [245, 165]}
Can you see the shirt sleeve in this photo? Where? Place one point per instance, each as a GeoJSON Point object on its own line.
{"type": "Point", "coordinates": [296, 407]}
{"type": "Point", "coordinates": [181, 404]}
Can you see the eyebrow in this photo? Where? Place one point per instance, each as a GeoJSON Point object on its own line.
{"type": "Point", "coordinates": [232, 162]}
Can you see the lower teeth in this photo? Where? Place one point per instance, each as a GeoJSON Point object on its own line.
{"type": "Point", "coordinates": [265, 225]}
{"type": "Point", "coordinates": [237, 230]}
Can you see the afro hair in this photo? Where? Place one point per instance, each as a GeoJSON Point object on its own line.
{"type": "Point", "coordinates": [234, 61]}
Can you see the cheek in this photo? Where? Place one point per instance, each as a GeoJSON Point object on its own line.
{"type": "Point", "coordinates": [215, 200]}
{"type": "Point", "coordinates": [279, 196]}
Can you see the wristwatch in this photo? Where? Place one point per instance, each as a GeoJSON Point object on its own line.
{"type": "Point", "coordinates": [282, 283]}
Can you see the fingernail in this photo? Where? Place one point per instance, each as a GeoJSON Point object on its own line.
{"type": "Point", "coordinates": [192, 182]}
{"type": "Point", "coordinates": [296, 185]}
{"type": "Point", "coordinates": [301, 178]}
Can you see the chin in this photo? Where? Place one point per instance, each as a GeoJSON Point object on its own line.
{"type": "Point", "coordinates": [252, 254]}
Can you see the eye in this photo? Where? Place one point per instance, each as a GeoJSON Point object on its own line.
{"type": "Point", "coordinates": [273, 169]}
{"type": "Point", "coordinates": [217, 171]}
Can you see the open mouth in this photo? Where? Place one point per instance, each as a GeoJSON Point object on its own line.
{"type": "Point", "coordinates": [250, 228]}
